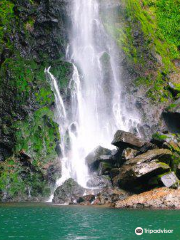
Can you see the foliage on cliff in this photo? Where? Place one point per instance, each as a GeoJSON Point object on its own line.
{"type": "Point", "coordinates": [148, 32]}
{"type": "Point", "coordinates": [30, 41]}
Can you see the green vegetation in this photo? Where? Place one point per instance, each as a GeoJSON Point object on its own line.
{"type": "Point", "coordinates": [63, 72]}
{"type": "Point", "coordinates": [159, 24]}
{"type": "Point", "coordinates": [159, 137]}
{"type": "Point", "coordinates": [37, 133]}
{"type": "Point", "coordinates": [148, 31]}
{"type": "Point", "coordinates": [168, 20]}
{"type": "Point", "coordinates": [157, 34]}
{"type": "Point", "coordinates": [6, 15]}
{"type": "Point", "coordinates": [29, 120]}
{"type": "Point", "coordinates": [20, 181]}
{"type": "Point", "coordinates": [171, 106]}
{"type": "Point", "coordinates": [37, 136]}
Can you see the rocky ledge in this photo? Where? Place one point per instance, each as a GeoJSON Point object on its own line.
{"type": "Point", "coordinates": [160, 198]}
{"type": "Point", "coordinates": [135, 174]}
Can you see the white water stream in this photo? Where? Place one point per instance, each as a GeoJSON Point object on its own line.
{"type": "Point", "coordinates": [96, 110]}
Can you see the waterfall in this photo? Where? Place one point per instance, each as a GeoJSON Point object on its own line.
{"type": "Point", "coordinates": [101, 110]}
{"type": "Point", "coordinates": [96, 109]}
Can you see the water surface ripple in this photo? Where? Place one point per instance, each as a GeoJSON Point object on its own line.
{"type": "Point", "coordinates": [48, 222]}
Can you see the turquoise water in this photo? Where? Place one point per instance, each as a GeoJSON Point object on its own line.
{"type": "Point", "coordinates": [48, 222]}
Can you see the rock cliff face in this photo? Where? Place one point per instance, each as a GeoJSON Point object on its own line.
{"type": "Point", "coordinates": [33, 36]}
{"type": "Point", "coordinates": [146, 32]}
{"type": "Point", "coordinates": [161, 198]}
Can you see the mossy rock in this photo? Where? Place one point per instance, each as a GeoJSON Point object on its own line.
{"type": "Point", "coordinates": [63, 72]}
{"type": "Point", "coordinates": [146, 31]}
{"type": "Point", "coordinates": [174, 88]}
{"type": "Point", "coordinates": [21, 181]}
{"type": "Point", "coordinates": [37, 136]}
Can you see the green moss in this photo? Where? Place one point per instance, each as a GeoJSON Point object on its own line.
{"type": "Point", "coordinates": [171, 106]}
{"type": "Point", "coordinates": [160, 25]}
{"type": "Point", "coordinates": [146, 16]}
{"type": "Point", "coordinates": [176, 89]}
{"type": "Point", "coordinates": [28, 121]}
{"type": "Point", "coordinates": [171, 142]}
{"type": "Point", "coordinates": [6, 15]}
{"type": "Point", "coordinates": [19, 181]}
{"type": "Point", "coordinates": [37, 136]}
{"type": "Point", "coordinates": [37, 133]}
{"type": "Point", "coordinates": [160, 137]}
{"type": "Point", "coordinates": [175, 160]}
{"type": "Point", "coordinates": [9, 178]}
{"type": "Point", "coordinates": [148, 33]}
{"type": "Point", "coordinates": [27, 80]}
{"type": "Point", "coordinates": [168, 21]}
{"type": "Point", "coordinates": [62, 71]}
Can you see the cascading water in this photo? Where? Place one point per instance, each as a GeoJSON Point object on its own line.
{"type": "Point", "coordinates": [96, 110]}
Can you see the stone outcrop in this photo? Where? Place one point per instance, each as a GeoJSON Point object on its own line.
{"type": "Point", "coordinates": [86, 200]}
{"type": "Point", "coordinates": [96, 156]}
{"type": "Point", "coordinates": [109, 196]}
{"type": "Point", "coordinates": [105, 197]}
{"type": "Point", "coordinates": [68, 193]}
{"type": "Point", "coordinates": [99, 182]}
{"type": "Point", "coordinates": [160, 198]}
{"type": "Point", "coordinates": [139, 172]}
{"type": "Point", "coordinates": [137, 175]}
{"type": "Point", "coordinates": [124, 139]}
{"type": "Point", "coordinates": [139, 165]}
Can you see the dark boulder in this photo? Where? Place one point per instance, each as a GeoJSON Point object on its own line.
{"type": "Point", "coordinates": [163, 155]}
{"type": "Point", "coordinates": [104, 168]}
{"type": "Point", "coordinates": [98, 154]}
{"type": "Point", "coordinates": [99, 181]}
{"type": "Point", "coordinates": [137, 176]}
{"type": "Point", "coordinates": [114, 172]}
{"type": "Point", "coordinates": [124, 140]}
{"type": "Point", "coordinates": [68, 193]}
{"type": "Point", "coordinates": [117, 158]}
{"type": "Point", "coordinates": [136, 172]}
{"type": "Point", "coordinates": [86, 200]}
